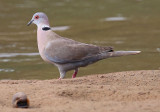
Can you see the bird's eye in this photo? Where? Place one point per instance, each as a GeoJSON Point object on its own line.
{"type": "Point", "coordinates": [37, 17]}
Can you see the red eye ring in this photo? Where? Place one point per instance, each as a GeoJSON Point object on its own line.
{"type": "Point", "coordinates": [37, 17]}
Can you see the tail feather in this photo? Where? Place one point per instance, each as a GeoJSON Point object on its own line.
{"type": "Point", "coordinates": [117, 54]}
{"type": "Point", "coordinates": [105, 55]}
{"type": "Point", "coordinates": [123, 53]}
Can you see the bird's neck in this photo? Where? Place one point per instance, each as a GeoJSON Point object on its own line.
{"type": "Point", "coordinates": [42, 25]}
{"type": "Point", "coordinates": [44, 37]}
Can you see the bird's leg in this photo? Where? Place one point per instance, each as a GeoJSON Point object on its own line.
{"type": "Point", "coordinates": [62, 74]}
{"type": "Point", "coordinates": [75, 73]}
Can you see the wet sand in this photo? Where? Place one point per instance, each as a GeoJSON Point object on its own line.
{"type": "Point", "coordinates": [133, 91]}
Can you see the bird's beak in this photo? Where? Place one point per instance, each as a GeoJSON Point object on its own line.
{"type": "Point", "coordinates": [30, 22]}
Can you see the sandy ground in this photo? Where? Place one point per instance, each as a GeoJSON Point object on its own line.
{"type": "Point", "coordinates": [134, 91]}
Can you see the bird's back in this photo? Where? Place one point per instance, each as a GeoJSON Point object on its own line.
{"type": "Point", "coordinates": [63, 51]}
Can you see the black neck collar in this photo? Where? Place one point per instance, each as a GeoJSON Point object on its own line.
{"type": "Point", "coordinates": [46, 28]}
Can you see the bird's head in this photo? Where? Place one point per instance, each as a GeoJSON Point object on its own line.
{"type": "Point", "coordinates": [39, 18]}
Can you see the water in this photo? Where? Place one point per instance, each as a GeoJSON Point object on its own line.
{"type": "Point", "coordinates": [119, 18]}
{"type": "Point", "coordinates": [125, 25]}
{"type": "Point", "coordinates": [60, 28]}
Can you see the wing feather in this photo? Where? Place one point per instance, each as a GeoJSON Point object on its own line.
{"type": "Point", "coordinates": [69, 51]}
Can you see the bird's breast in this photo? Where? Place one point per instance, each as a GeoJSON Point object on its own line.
{"type": "Point", "coordinates": [42, 41]}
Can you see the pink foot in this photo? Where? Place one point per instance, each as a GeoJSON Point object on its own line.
{"type": "Point", "coordinates": [75, 73]}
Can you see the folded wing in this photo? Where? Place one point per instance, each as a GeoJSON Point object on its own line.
{"type": "Point", "coordinates": [64, 50]}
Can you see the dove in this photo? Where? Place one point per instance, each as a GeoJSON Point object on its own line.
{"type": "Point", "coordinates": [67, 54]}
